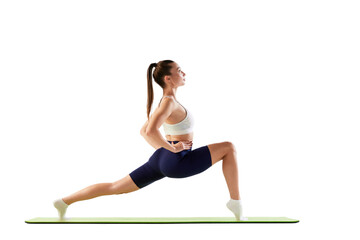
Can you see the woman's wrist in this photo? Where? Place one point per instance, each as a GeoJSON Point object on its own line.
{"type": "Point", "coordinates": [171, 148]}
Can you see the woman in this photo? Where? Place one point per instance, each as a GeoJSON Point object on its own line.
{"type": "Point", "coordinates": [173, 158]}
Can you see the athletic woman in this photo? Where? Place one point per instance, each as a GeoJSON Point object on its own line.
{"type": "Point", "coordinates": [174, 157]}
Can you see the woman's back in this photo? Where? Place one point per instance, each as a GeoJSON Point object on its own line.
{"type": "Point", "coordinates": [179, 125]}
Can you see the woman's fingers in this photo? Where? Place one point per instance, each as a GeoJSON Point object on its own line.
{"type": "Point", "coordinates": [187, 144]}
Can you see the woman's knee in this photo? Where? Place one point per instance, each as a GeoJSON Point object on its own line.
{"type": "Point", "coordinates": [230, 146]}
{"type": "Point", "coordinates": [124, 185]}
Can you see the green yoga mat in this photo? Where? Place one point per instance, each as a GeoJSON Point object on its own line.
{"type": "Point", "coordinates": [124, 220]}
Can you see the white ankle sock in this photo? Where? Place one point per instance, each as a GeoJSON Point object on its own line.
{"type": "Point", "coordinates": [235, 207]}
{"type": "Point", "coordinates": [61, 206]}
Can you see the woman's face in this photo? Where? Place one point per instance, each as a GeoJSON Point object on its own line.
{"type": "Point", "coordinates": [177, 75]}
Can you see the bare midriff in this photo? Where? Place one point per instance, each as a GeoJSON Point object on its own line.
{"type": "Point", "coordinates": [184, 137]}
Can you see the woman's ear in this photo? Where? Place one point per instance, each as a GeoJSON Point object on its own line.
{"type": "Point", "coordinates": [167, 80]}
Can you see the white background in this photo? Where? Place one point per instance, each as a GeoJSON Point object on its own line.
{"type": "Point", "coordinates": [279, 79]}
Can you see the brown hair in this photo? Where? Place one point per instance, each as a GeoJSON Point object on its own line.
{"type": "Point", "coordinates": [162, 69]}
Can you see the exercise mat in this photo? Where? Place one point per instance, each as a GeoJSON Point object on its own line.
{"type": "Point", "coordinates": [124, 220]}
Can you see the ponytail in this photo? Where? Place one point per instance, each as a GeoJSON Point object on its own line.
{"type": "Point", "coordinates": [162, 69]}
{"type": "Point", "coordinates": [150, 89]}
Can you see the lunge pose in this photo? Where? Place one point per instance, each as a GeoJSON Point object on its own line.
{"type": "Point", "coordinates": [174, 156]}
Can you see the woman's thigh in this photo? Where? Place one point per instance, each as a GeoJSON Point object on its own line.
{"type": "Point", "coordinates": [219, 150]}
{"type": "Point", "coordinates": [186, 163]}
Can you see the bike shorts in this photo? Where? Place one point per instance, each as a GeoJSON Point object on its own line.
{"type": "Point", "coordinates": [164, 163]}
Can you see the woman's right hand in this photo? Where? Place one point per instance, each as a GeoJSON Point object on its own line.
{"type": "Point", "coordinates": [181, 145]}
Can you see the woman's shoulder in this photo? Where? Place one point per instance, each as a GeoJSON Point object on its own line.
{"type": "Point", "coordinates": [167, 99]}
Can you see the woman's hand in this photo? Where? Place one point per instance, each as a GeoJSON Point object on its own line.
{"type": "Point", "coordinates": [181, 145]}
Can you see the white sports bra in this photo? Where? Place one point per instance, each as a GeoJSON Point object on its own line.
{"type": "Point", "coordinates": [184, 127]}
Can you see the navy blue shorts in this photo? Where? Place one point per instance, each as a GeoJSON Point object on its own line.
{"type": "Point", "coordinates": [164, 163]}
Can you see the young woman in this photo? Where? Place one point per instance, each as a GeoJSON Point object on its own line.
{"type": "Point", "coordinates": [174, 157]}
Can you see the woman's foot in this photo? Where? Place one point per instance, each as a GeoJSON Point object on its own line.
{"type": "Point", "coordinates": [236, 208]}
{"type": "Point", "coordinates": [61, 206]}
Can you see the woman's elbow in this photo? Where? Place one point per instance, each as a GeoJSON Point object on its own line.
{"type": "Point", "coordinates": [142, 132]}
{"type": "Point", "coordinates": [149, 132]}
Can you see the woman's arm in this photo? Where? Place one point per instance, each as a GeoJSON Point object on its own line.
{"type": "Point", "coordinates": [155, 139]}
{"type": "Point", "coordinates": [150, 130]}
{"type": "Point", "coordinates": [143, 133]}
